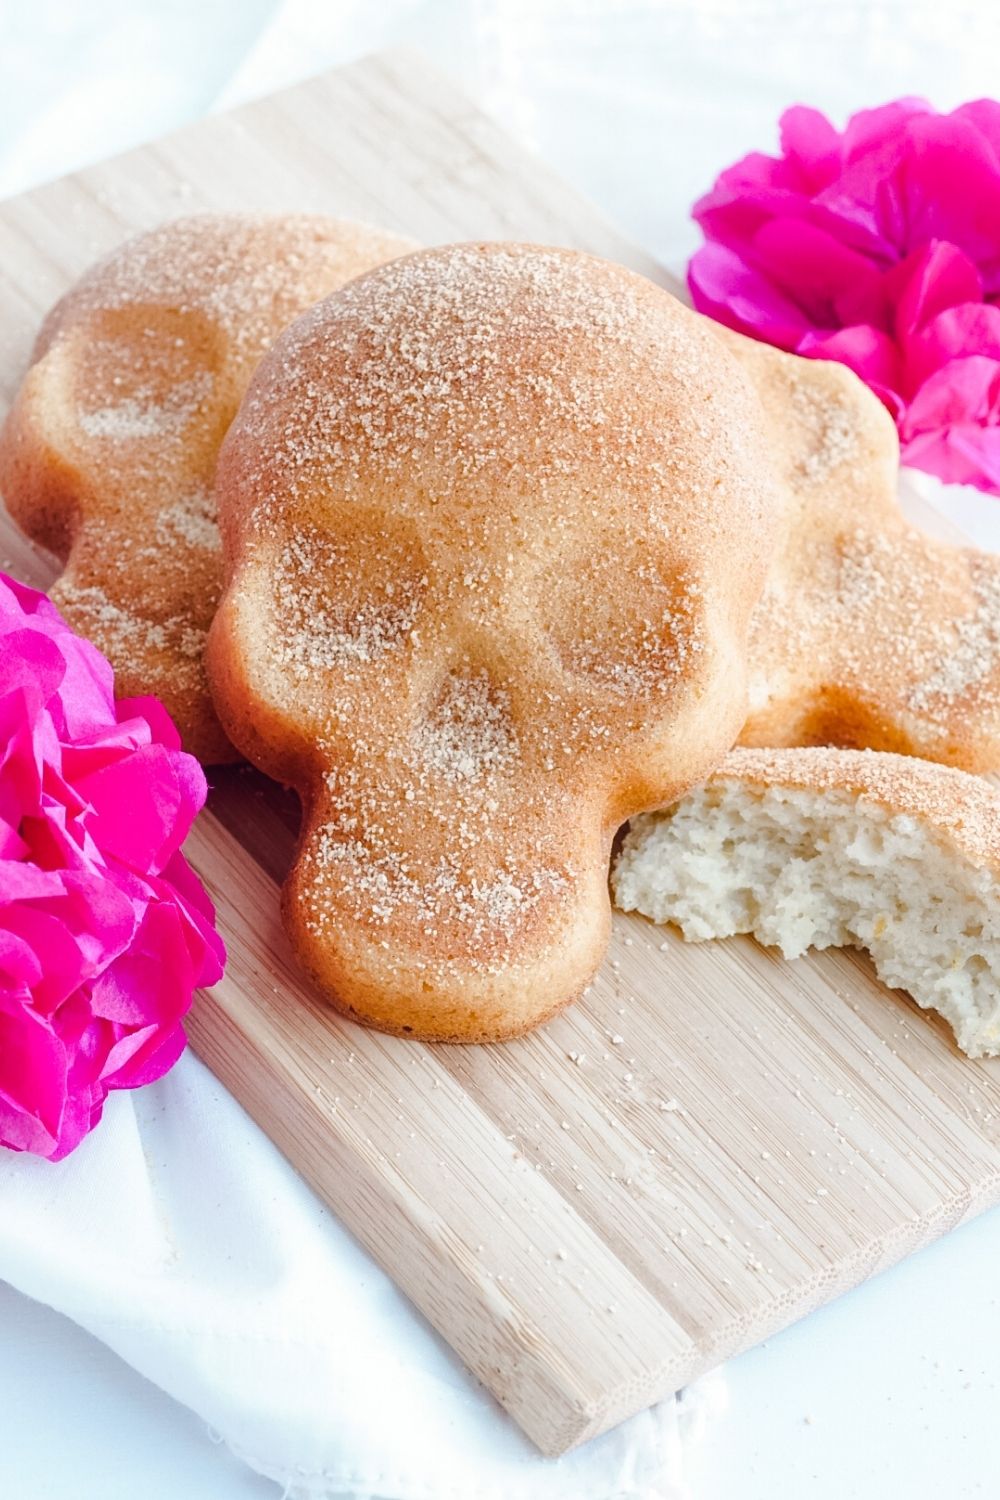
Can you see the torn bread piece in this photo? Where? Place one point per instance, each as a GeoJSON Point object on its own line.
{"type": "Point", "coordinates": [819, 848]}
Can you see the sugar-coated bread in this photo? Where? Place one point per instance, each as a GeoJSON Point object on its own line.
{"type": "Point", "coordinates": [494, 520]}
{"type": "Point", "coordinates": [821, 848]}
{"type": "Point", "coordinates": [869, 634]}
{"type": "Point", "coordinates": [108, 454]}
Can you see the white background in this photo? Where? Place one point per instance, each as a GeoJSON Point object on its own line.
{"type": "Point", "coordinates": [892, 1390]}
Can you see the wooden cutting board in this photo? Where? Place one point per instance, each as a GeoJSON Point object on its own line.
{"type": "Point", "coordinates": [710, 1144]}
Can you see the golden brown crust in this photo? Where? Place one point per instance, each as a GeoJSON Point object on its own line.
{"type": "Point", "coordinates": [869, 633]}
{"type": "Point", "coordinates": [494, 521]}
{"type": "Point", "coordinates": [963, 806]}
{"type": "Point", "coordinates": [108, 455]}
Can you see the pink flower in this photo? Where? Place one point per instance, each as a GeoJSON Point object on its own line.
{"type": "Point", "coordinates": [104, 929]}
{"type": "Point", "coordinates": [878, 246]}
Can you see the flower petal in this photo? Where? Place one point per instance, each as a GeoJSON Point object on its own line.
{"type": "Point", "coordinates": [936, 276]}
{"type": "Point", "coordinates": [952, 189]}
{"type": "Point", "coordinates": [867, 351]}
{"type": "Point", "coordinates": [957, 455]}
{"type": "Point", "coordinates": [963, 391]}
{"type": "Point", "coordinates": [747, 195]}
{"type": "Point", "coordinates": [144, 804]}
{"type": "Point", "coordinates": [810, 141]}
{"type": "Point", "coordinates": [149, 718]}
{"type": "Point", "coordinates": [984, 116]}
{"type": "Point", "coordinates": [869, 130]}
{"type": "Point", "coordinates": [104, 929]}
{"type": "Point", "coordinates": [813, 268]}
{"type": "Point", "coordinates": [878, 247]}
{"type": "Point", "coordinates": [32, 1068]}
{"type": "Point", "coordinates": [956, 333]}
{"type": "Point", "coordinates": [732, 292]}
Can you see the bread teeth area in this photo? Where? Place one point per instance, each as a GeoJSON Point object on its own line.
{"type": "Point", "coordinates": [801, 868]}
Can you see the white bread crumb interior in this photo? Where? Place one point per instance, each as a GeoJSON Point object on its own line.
{"type": "Point", "coordinates": [820, 866]}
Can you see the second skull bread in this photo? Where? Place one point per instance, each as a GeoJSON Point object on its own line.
{"type": "Point", "coordinates": [494, 521]}
{"type": "Point", "coordinates": [870, 633]}
{"type": "Point", "coordinates": [108, 455]}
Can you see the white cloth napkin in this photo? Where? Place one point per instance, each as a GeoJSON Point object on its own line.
{"type": "Point", "coordinates": [180, 1237]}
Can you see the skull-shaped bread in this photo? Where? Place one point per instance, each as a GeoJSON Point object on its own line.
{"type": "Point", "coordinates": [108, 455]}
{"type": "Point", "coordinates": [869, 634]}
{"type": "Point", "coordinates": [494, 520]}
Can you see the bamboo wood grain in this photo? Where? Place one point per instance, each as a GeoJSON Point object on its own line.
{"type": "Point", "coordinates": [707, 1146]}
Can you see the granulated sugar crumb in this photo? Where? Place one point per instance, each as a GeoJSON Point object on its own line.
{"type": "Point", "coordinates": [968, 648]}
{"type": "Point", "coordinates": [899, 621]}
{"type": "Point", "coordinates": [143, 414]}
{"type": "Point", "coordinates": [831, 427]}
{"type": "Point", "coordinates": [316, 629]}
{"type": "Point", "coordinates": [122, 633]}
{"type": "Point", "coordinates": [191, 519]}
{"type": "Point", "coordinates": [469, 732]}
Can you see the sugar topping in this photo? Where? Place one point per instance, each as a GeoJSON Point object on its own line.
{"type": "Point", "coordinates": [431, 877]}
{"type": "Point", "coordinates": [141, 416]}
{"type": "Point", "coordinates": [967, 647]}
{"type": "Point", "coordinates": [937, 659]}
{"type": "Point", "coordinates": [909, 626]}
{"type": "Point", "coordinates": [643, 653]}
{"type": "Point", "coordinates": [330, 618]}
{"type": "Point", "coordinates": [381, 887]}
{"type": "Point", "coordinates": [121, 633]}
{"type": "Point", "coordinates": [190, 521]}
{"type": "Point", "coordinates": [468, 733]}
{"type": "Point", "coordinates": [829, 425]}
{"type": "Point", "coordinates": [506, 356]}
{"type": "Point", "coordinates": [247, 274]}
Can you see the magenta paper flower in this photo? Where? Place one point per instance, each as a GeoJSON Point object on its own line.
{"type": "Point", "coordinates": [104, 929]}
{"type": "Point", "coordinates": [878, 246]}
